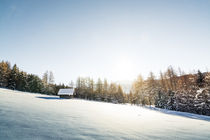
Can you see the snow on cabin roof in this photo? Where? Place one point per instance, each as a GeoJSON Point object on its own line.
{"type": "Point", "coordinates": [67, 91]}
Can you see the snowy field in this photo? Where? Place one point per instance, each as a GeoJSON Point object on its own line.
{"type": "Point", "coordinates": [33, 116]}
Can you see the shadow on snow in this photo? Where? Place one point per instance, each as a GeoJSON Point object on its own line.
{"type": "Point", "coordinates": [50, 98]}
{"type": "Point", "coordinates": [182, 114]}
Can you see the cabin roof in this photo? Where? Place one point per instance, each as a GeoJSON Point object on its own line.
{"type": "Point", "coordinates": [67, 91]}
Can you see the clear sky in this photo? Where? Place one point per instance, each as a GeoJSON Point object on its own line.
{"type": "Point", "coordinates": [116, 39]}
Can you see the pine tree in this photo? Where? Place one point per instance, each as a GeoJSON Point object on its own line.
{"type": "Point", "coordinates": [200, 79]}
{"type": "Point", "coordinates": [13, 77]}
{"type": "Point", "coordinates": [112, 93]}
{"type": "Point", "coordinates": [51, 78]}
{"type": "Point", "coordinates": [45, 78]}
{"type": "Point", "coordinates": [99, 87]}
{"type": "Point", "coordinates": [151, 87]}
{"type": "Point", "coordinates": [105, 90]}
{"type": "Point", "coordinates": [120, 95]}
{"type": "Point", "coordinates": [90, 89]}
{"type": "Point", "coordinates": [162, 81]}
{"type": "Point", "coordinates": [138, 90]}
{"type": "Point", "coordinates": [79, 89]}
{"type": "Point", "coordinates": [22, 83]}
{"type": "Point", "coordinates": [4, 73]}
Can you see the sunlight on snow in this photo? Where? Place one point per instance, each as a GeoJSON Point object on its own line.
{"type": "Point", "coordinates": [48, 117]}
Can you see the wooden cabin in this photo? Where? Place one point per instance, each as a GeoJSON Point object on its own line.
{"type": "Point", "coordinates": [66, 93]}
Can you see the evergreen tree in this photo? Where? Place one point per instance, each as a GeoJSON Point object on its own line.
{"type": "Point", "coordinates": [152, 88]}
{"type": "Point", "coordinates": [105, 90]}
{"type": "Point", "coordinates": [138, 90]}
{"type": "Point", "coordinates": [200, 79]}
{"type": "Point", "coordinates": [4, 73]}
{"type": "Point", "coordinates": [99, 86]}
{"type": "Point", "coordinates": [45, 78]}
{"type": "Point", "coordinates": [90, 89]}
{"type": "Point", "coordinates": [35, 84]}
{"type": "Point", "coordinates": [78, 87]}
{"type": "Point", "coordinates": [120, 94]}
{"type": "Point", "coordinates": [51, 78]}
{"type": "Point", "coordinates": [22, 81]}
{"type": "Point", "coordinates": [112, 93]}
{"type": "Point", "coordinates": [162, 81]}
{"type": "Point", "coordinates": [13, 77]}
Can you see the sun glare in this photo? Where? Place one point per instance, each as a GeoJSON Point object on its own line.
{"type": "Point", "coordinates": [123, 69]}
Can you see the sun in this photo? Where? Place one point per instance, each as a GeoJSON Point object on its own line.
{"type": "Point", "coordinates": [124, 68]}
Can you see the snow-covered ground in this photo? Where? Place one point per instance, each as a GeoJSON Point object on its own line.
{"type": "Point", "coordinates": [34, 116]}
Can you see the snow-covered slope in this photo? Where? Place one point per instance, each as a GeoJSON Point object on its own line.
{"type": "Point", "coordinates": [35, 116]}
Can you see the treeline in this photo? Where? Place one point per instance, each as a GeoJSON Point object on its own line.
{"type": "Point", "coordinates": [87, 88]}
{"type": "Point", "coordinates": [174, 90]}
{"type": "Point", "coordinates": [15, 79]}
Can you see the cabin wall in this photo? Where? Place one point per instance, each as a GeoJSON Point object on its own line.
{"type": "Point", "coordinates": [66, 96]}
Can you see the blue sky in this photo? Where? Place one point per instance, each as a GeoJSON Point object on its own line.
{"type": "Point", "coordinates": [116, 39]}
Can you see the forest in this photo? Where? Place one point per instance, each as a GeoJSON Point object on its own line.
{"type": "Point", "coordinates": [16, 79]}
{"type": "Point", "coordinates": [172, 89]}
